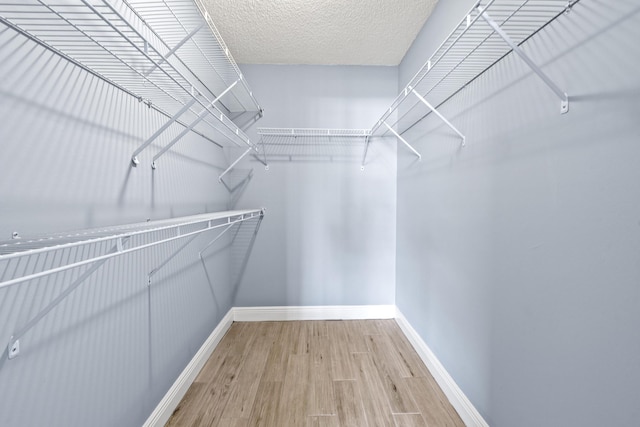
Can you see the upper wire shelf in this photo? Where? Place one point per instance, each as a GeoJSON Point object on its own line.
{"type": "Point", "coordinates": [167, 54]}
{"type": "Point", "coordinates": [488, 32]}
{"type": "Point", "coordinates": [312, 144]}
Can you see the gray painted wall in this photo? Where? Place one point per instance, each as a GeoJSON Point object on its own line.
{"type": "Point", "coordinates": [329, 234]}
{"type": "Point", "coordinates": [522, 270]}
{"type": "Point", "coordinates": [109, 352]}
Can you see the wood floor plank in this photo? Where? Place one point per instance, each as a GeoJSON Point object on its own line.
{"type": "Point", "coordinates": [319, 328]}
{"type": "Point", "coordinates": [386, 351]}
{"type": "Point", "coordinates": [356, 331]}
{"type": "Point", "coordinates": [341, 363]}
{"type": "Point", "coordinates": [284, 345]}
{"type": "Point", "coordinates": [432, 403]}
{"type": "Point", "coordinates": [349, 405]}
{"type": "Point", "coordinates": [271, 329]}
{"type": "Point", "coordinates": [390, 373]}
{"type": "Point", "coordinates": [323, 421]}
{"type": "Point", "coordinates": [233, 422]}
{"type": "Point", "coordinates": [245, 387]}
{"type": "Point", "coordinates": [182, 415]}
{"type": "Point", "coordinates": [405, 351]}
{"type": "Point", "coordinates": [265, 408]}
{"type": "Point", "coordinates": [322, 400]}
{"type": "Point", "coordinates": [234, 342]}
{"type": "Point", "coordinates": [320, 365]}
{"type": "Point", "coordinates": [376, 404]}
{"type": "Point", "coordinates": [409, 420]}
{"type": "Point", "coordinates": [294, 399]}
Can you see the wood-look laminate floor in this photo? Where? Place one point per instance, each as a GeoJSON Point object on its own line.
{"type": "Point", "coordinates": [315, 373]}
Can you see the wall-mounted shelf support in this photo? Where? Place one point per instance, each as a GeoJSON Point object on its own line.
{"type": "Point", "coordinates": [215, 239]}
{"type": "Point", "coordinates": [13, 348]}
{"type": "Point", "coordinates": [201, 117]}
{"type": "Point", "coordinates": [366, 149]}
{"type": "Point", "coordinates": [437, 113]}
{"type": "Point", "coordinates": [232, 165]}
{"type": "Point", "coordinates": [402, 140]}
{"type": "Point", "coordinates": [169, 258]}
{"type": "Point", "coordinates": [134, 156]}
{"type": "Point", "coordinates": [564, 98]}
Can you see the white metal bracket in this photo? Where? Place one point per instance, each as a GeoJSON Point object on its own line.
{"type": "Point", "coordinates": [200, 117]}
{"type": "Point", "coordinates": [402, 140]}
{"type": "Point", "coordinates": [169, 258]}
{"type": "Point", "coordinates": [437, 113]}
{"type": "Point", "coordinates": [134, 156]}
{"type": "Point", "coordinates": [13, 348]}
{"type": "Point", "coordinates": [232, 165]}
{"type": "Point", "coordinates": [564, 98]}
{"type": "Point", "coordinates": [366, 149]}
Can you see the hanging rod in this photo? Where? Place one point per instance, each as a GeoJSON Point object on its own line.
{"type": "Point", "coordinates": [121, 236]}
{"type": "Point", "coordinates": [488, 33]}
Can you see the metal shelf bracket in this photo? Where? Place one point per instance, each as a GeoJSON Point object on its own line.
{"type": "Point", "coordinates": [201, 116]}
{"type": "Point", "coordinates": [134, 156]}
{"type": "Point", "coordinates": [367, 140]}
{"type": "Point", "coordinates": [13, 349]}
{"type": "Point", "coordinates": [437, 113]}
{"type": "Point", "coordinates": [232, 165]}
{"type": "Point", "coordinates": [402, 140]}
{"type": "Point", "coordinates": [564, 98]}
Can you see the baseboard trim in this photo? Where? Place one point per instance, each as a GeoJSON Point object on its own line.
{"type": "Point", "coordinates": [170, 401]}
{"type": "Point", "coordinates": [331, 312]}
{"type": "Point", "coordinates": [469, 414]}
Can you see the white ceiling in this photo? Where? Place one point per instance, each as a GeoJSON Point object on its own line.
{"type": "Point", "coordinates": [330, 32]}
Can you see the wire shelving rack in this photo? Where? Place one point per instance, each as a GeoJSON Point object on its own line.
{"type": "Point", "coordinates": [311, 144]}
{"type": "Point", "coordinates": [490, 31]}
{"type": "Point", "coordinates": [169, 55]}
{"type": "Point", "coordinates": [34, 258]}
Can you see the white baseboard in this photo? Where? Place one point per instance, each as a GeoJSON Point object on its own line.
{"type": "Point", "coordinates": [170, 401]}
{"type": "Point", "coordinates": [469, 414]}
{"type": "Point", "coordinates": [332, 312]}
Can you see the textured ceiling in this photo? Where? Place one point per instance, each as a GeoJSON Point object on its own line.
{"type": "Point", "coordinates": [335, 32]}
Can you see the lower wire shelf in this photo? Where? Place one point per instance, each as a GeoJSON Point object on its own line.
{"type": "Point", "coordinates": [94, 247]}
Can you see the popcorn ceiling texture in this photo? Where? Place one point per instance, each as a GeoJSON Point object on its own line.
{"type": "Point", "coordinates": [327, 32]}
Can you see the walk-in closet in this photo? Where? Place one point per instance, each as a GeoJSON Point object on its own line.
{"type": "Point", "coordinates": [301, 213]}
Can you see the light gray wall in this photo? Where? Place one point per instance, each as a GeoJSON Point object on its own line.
{"type": "Point", "coordinates": [519, 255]}
{"type": "Point", "coordinates": [329, 234]}
{"type": "Point", "coordinates": [109, 352]}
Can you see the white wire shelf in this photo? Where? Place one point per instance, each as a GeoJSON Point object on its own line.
{"type": "Point", "coordinates": [167, 54]}
{"type": "Point", "coordinates": [491, 30]}
{"type": "Point", "coordinates": [26, 246]}
{"type": "Point", "coordinates": [312, 144]}
{"type": "Point", "coordinates": [30, 259]}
